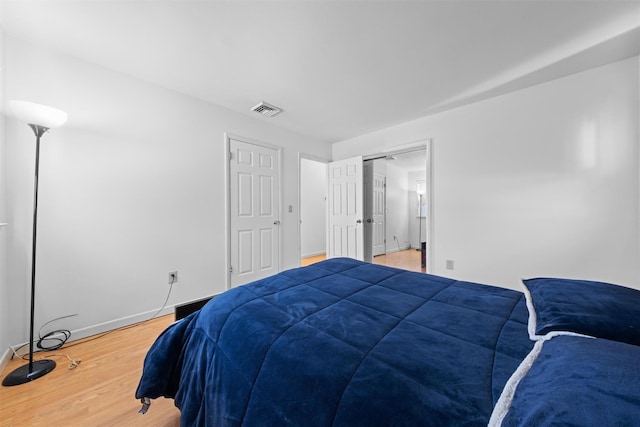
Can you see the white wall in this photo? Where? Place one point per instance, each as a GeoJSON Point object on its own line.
{"type": "Point", "coordinates": [412, 217]}
{"type": "Point", "coordinates": [398, 207]}
{"type": "Point", "coordinates": [313, 207]}
{"type": "Point", "coordinates": [5, 302]}
{"type": "Point", "coordinates": [543, 181]}
{"type": "Point", "coordinates": [133, 186]}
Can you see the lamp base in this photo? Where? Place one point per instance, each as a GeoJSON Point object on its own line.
{"type": "Point", "coordinates": [21, 375]}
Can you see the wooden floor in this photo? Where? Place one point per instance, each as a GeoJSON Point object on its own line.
{"type": "Point", "coordinates": [99, 392]}
{"type": "Point", "coordinates": [408, 259]}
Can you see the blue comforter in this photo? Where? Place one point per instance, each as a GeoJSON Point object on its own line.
{"type": "Point", "coordinates": [342, 343]}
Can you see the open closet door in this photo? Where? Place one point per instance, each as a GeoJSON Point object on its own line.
{"type": "Point", "coordinates": [345, 214]}
{"type": "Point", "coordinates": [378, 214]}
{"type": "Point", "coordinates": [367, 189]}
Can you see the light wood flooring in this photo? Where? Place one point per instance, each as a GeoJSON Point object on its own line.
{"type": "Point", "coordinates": [99, 392]}
{"type": "Point", "coordinates": [408, 259]}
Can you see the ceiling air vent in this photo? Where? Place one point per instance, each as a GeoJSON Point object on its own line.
{"type": "Point", "coordinates": [266, 109]}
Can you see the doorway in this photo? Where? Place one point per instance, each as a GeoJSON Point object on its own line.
{"type": "Point", "coordinates": [403, 219]}
{"type": "Point", "coordinates": [313, 208]}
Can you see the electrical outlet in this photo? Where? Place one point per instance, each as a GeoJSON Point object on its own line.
{"type": "Point", "coordinates": [173, 277]}
{"type": "Point", "coordinates": [449, 264]}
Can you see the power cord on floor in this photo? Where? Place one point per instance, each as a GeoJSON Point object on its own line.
{"type": "Point", "coordinates": [51, 336]}
{"type": "Point", "coordinates": [397, 242]}
{"type": "Point", "coordinates": [73, 362]}
{"type": "Point", "coordinates": [59, 341]}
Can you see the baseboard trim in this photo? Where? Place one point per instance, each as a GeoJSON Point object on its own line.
{"type": "Point", "coordinates": [88, 331]}
{"type": "Point", "coordinates": [403, 248]}
{"type": "Point", "coordinates": [313, 254]}
{"type": "Point", "coordinates": [119, 323]}
{"type": "Point", "coordinates": [6, 357]}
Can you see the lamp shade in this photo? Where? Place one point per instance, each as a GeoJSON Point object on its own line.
{"type": "Point", "coordinates": [421, 187]}
{"type": "Point", "coordinates": [37, 114]}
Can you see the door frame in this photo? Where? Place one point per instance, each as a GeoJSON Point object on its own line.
{"type": "Point", "coordinates": [326, 225]}
{"type": "Point", "coordinates": [227, 188]}
{"type": "Point", "coordinates": [427, 145]}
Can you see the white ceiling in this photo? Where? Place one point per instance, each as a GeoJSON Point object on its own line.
{"type": "Point", "coordinates": [339, 69]}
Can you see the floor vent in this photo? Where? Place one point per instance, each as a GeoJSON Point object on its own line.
{"type": "Point", "coordinates": [183, 310]}
{"type": "Point", "coordinates": [266, 109]}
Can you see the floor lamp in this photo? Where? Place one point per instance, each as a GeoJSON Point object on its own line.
{"type": "Point", "coordinates": [40, 119]}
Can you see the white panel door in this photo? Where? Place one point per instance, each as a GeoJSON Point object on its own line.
{"type": "Point", "coordinates": [345, 215]}
{"type": "Point", "coordinates": [254, 185]}
{"type": "Point", "coordinates": [378, 214]}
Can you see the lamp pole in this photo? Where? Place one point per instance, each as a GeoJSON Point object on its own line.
{"type": "Point", "coordinates": [40, 119]}
{"type": "Point", "coordinates": [44, 366]}
{"type": "Point", "coordinates": [32, 370]}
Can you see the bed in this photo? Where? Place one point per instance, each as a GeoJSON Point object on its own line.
{"type": "Point", "coordinates": [347, 343]}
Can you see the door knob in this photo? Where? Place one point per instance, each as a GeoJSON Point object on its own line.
{"type": "Point", "coordinates": [276, 222]}
{"type": "Point", "coordinates": [359, 221]}
{"type": "Point", "coordinates": [369, 220]}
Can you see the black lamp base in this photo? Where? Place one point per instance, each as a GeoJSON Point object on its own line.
{"type": "Point", "coordinates": [21, 375]}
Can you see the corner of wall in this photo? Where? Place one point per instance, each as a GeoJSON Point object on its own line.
{"type": "Point", "coordinates": [4, 301]}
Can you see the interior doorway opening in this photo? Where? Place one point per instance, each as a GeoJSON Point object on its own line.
{"type": "Point", "coordinates": [313, 209]}
{"type": "Point", "coordinates": [399, 232]}
{"type": "Point", "coordinates": [397, 212]}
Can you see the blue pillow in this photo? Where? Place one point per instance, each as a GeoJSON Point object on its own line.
{"type": "Point", "coordinates": [583, 307]}
{"type": "Point", "coordinates": [573, 381]}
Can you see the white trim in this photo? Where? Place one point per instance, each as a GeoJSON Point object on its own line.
{"type": "Point", "coordinates": [427, 145]}
{"type": "Point", "coordinates": [121, 322]}
{"type": "Point", "coordinates": [506, 397]}
{"type": "Point", "coordinates": [430, 202]}
{"type": "Point", "coordinates": [313, 254]}
{"type": "Point", "coordinates": [252, 141]}
{"type": "Point", "coordinates": [315, 159]}
{"type": "Point", "coordinates": [6, 357]}
{"type": "Point", "coordinates": [92, 330]}
{"type": "Point", "coordinates": [402, 248]}
{"type": "Point", "coordinates": [398, 149]}
{"type": "Point", "coordinates": [533, 317]}
{"type": "Point", "coordinates": [227, 209]}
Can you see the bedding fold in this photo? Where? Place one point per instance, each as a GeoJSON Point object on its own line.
{"type": "Point", "coordinates": [342, 342]}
